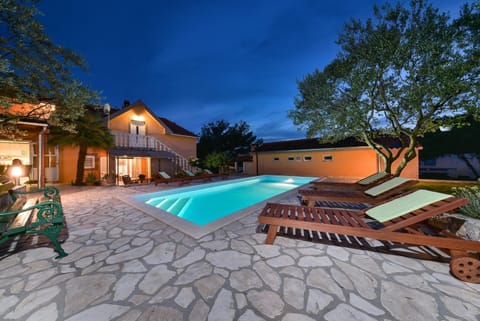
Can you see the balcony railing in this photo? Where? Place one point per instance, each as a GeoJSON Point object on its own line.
{"type": "Point", "coordinates": [126, 140]}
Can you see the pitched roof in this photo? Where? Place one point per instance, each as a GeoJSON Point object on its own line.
{"type": "Point", "coordinates": [314, 143]}
{"type": "Point", "coordinates": [170, 126]}
{"type": "Point", "coordinates": [175, 128]}
{"type": "Point", "coordinates": [308, 143]}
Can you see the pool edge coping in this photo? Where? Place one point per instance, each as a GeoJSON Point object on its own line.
{"type": "Point", "coordinates": [199, 231]}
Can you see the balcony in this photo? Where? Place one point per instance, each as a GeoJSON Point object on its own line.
{"type": "Point", "coordinates": [146, 146]}
{"type": "Point", "coordinates": [126, 140]}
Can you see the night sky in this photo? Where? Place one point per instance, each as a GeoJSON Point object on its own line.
{"type": "Point", "coordinates": [200, 61]}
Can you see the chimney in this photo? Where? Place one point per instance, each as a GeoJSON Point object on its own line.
{"type": "Point", "coordinates": [126, 103]}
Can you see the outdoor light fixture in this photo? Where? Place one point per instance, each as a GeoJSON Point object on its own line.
{"type": "Point", "coordinates": [445, 128]}
{"type": "Point", "coordinates": [16, 173]}
{"type": "Point", "coordinates": [106, 108]}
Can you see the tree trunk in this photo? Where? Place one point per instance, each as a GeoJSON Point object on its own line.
{"type": "Point", "coordinates": [82, 153]}
{"type": "Point", "coordinates": [388, 165]}
{"type": "Point", "coordinates": [407, 157]}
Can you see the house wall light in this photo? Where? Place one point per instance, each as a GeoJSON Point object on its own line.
{"type": "Point", "coordinates": [445, 128]}
{"type": "Point", "coordinates": [138, 118]}
{"type": "Point", "coordinates": [17, 170]}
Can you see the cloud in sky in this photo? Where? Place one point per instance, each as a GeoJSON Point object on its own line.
{"type": "Point", "coordinates": [200, 61]}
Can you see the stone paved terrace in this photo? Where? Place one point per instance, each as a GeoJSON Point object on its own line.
{"type": "Point", "coordinates": [125, 265]}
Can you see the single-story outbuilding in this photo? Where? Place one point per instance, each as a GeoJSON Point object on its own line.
{"type": "Point", "coordinates": [348, 159]}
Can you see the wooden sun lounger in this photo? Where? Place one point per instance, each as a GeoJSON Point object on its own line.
{"type": "Point", "coordinates": [164, 178]}
{"type": "Point", "coordinates": [410, 228]}
{"type": "Point", "coordinates": [373, 195]}
{"type": "Point", "coordinates": [204, 176]}
{"type": "Point", "coordinates": [209, 173]}
{"type": "Point", "coordinates": [360, 185]}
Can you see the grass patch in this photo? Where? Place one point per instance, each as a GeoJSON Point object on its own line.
{"type": "Point", "coordinates": [442, 186]}
{"type": "Point", "coordinates": [469, 190]}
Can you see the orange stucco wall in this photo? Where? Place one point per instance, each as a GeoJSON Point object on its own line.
{"type": "Point", "coordinates": [345, 164]}
{"type": "Point", "coordinates": [68, 163]}
{"type": "Point", "coordinates": [121, 123]}
{"type": "Point", "coordinates": [184, 145]}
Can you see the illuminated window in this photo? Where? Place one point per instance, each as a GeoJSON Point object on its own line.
{"type": "Point", "coordinates": [89, 162]}
{"type": "Point", "coordinates": [327, 158]}
{"type": "Point", "coordinates": [307, 158]}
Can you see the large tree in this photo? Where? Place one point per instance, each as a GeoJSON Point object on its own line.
{"type": "Point", "coordinates": [397, 74]}
{"type": "Point", "coordinates": [35, 70]}
{"type": "Point", "coordinates": [221, 137]}
{"type": "Point", "coordinates": [90, 131]}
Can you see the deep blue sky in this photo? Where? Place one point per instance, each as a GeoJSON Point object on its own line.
{"type": "Point", "coordinates": [200, 61]}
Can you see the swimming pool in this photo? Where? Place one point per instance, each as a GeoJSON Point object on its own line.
{"type": "Point", "coordinates": [203, 208]}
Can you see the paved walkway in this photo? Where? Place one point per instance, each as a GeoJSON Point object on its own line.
{"type": "Point", "coordinates": [125, 265]}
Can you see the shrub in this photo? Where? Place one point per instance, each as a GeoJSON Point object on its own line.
{"type": "Point", "coordinates": [110, 176]}
{"type": "Point", "coordinates": [472, 209]}
{"type": "Point", "coordinates": [217, 161]}
{"type": "Point", "coordinates": [91, 178]}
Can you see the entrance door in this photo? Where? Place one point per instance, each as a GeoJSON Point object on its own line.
{"type": "Point", "coordinates": [133, 166]}
{"type": "Point", "coordinates": [137, 133]}
{"type": "Point", "coordinates": [51, 164]}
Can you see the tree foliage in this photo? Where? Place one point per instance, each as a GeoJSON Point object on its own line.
{"type": "Point", "coordinates": [35, 70]}
{"type": "Point", "coordinates": [90, 131]}
{"type": "Point", "coordinates": [397, 74]}
{"type": "Point", "coordinates": [221, 137]}
{"type": "Point", "coordinates": [218, 161]}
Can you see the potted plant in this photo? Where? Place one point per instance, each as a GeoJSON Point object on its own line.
{"type": "Point", "coordinates": [110, 178]}
{"type": "Point", "coordinates": [91, 179]}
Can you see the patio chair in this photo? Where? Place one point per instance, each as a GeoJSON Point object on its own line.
{"type": "Point", "coordinates": [127, 180]}
{"type": "Point", "coordinates": [373, 195]}
{"type": "Point", "coordinates": [360, 185]}
{"type": "Point", "coordinates": [404, 220]}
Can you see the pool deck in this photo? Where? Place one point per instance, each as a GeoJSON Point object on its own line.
{"type": "Point", "coordinates": [126, 265]}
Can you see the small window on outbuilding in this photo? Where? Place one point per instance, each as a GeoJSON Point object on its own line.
{"type": "Point", "coordinates": [276, 158]}
{"type": "Point", "coordinates": [89, 162]}
{"type": "Point", "coordinates": [327, 158]}
{"type": "Point", "coordinates": [291, 158]}
{"type": "Point", "coordinates": [298, 158]}
{"type": "Point", "coordinates": [307, 158]}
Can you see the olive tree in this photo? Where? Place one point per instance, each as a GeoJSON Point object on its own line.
{"type": "Point", "coordinates": [397, 74]}
{"type": "Point", "coordinates": [34, 70]}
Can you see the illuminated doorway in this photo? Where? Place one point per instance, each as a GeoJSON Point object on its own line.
{"type": "Point", "coordinates": [133, 166]}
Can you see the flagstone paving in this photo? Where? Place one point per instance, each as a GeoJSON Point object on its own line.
{"type": "Point", "coordinates": [125, 265]}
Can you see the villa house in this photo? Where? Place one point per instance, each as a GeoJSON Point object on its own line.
{"type": "Point", "coordinates": [348, 159]}
{"type": "Point", "coordinates": [144, 144]}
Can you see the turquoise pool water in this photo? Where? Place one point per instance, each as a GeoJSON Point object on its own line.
{"type": "Point", "coordinates": [206, 203]}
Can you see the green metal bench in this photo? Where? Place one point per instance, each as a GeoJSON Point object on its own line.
{"type": "Point", "coordinates": [42, 215]}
